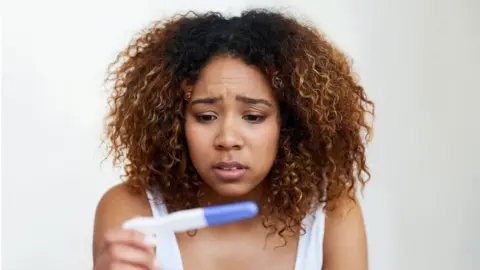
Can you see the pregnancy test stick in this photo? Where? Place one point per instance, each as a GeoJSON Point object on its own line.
{"type": "Point", "coordinates": [197, 218]}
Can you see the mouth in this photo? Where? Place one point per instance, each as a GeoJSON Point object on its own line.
{"type": "Point", "coordinates": [229, 170]}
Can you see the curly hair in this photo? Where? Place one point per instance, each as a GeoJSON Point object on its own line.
{"type": "Point", "coordinates": [324, 128]}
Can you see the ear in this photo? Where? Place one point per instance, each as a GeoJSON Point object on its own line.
{"type": "Point", "coordinates": [187, 89]}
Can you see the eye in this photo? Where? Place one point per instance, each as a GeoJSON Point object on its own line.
{"type": "Point", "coordinates": [205, 118]}
{"type": "Point", "coordinates": [254, 118]}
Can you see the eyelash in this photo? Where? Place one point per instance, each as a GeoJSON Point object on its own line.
{"type": "Point", "coordinates": [201, 116]}
{"type": "Point", "coordinates": [258, 118]}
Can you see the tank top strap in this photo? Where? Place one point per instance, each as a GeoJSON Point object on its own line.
{"type": "Point", "coordinates": [310, 245]}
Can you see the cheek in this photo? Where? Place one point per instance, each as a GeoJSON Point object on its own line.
{"type": "Point", "coordinates": [265, 143]}
{"type": "Point", "coordinates": [197, 140]}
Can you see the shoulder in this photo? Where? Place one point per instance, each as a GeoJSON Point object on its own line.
{"type": "Point", "coordinates": [120, 203]}
{"type": "Point", "coordinates": [345, 245]}
{"type": "Point", "coordinates": [117, 205]}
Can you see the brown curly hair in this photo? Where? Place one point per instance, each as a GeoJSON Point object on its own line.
{"type": "Point", "coordinates": [324, 110]}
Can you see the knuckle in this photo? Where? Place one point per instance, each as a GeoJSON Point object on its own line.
{"type": "Point", "coordinates": [135, 236]}
{"type": "Point", "coordinates": [110, 235]}
{"type": "Point", "coordinates": [114, 252]}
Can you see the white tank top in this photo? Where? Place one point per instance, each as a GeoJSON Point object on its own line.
{"type": "Point", "coordinates": [309, 253]}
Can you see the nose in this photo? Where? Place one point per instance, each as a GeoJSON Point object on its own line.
{"type": "Point", "coordinates": [228, 137]}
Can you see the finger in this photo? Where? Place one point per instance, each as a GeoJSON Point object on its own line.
{"type": "Point", "coordinates": [122, 253]}
{"type": "Point", "coordinates": [127, 266]}
{"type": "Point", "coordinates": [112, 258]}
{"type": "Point", "coordinates": [130, 237]}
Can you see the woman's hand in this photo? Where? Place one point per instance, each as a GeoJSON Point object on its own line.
{"type": "Point", "coordinates": [126, 250]}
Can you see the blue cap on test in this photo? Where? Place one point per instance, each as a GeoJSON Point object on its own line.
{"type": "Point", "coordinates": [228, 213]}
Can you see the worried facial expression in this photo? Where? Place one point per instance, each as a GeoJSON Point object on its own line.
{"type": "Point", "coordinates": [232, 126]}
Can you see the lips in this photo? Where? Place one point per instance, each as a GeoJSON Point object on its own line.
{"type": "Point", "coordinates": [229, 165]}
{"type": "Point", "coordinates": [229, 170]}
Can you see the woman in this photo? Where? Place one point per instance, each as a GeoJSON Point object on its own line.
{"type": "Point", "coordinates": [210, 110]}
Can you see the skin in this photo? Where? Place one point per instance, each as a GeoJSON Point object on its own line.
{"type": "Point", "coordinates": [232, 115]}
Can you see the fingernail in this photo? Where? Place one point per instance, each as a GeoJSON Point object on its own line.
{"type": "Point", "coordinates": [150, 240]}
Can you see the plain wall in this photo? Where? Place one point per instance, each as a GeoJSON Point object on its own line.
{"type": "Point", "coordinates": [418, 61]}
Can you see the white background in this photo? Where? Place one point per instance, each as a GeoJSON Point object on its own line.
{"type": "Point", "coordinates": [418, 59]}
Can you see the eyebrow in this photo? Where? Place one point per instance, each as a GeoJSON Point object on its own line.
{"type": "Point", "coordinates": [244, 99]}
{"type": "Point", "coordinates": [253, 100]}
{"type": "Point", "coordinates": [205, 101]}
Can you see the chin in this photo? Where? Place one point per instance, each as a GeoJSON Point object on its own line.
{"type": "Point", "coordinates": [232, 191]}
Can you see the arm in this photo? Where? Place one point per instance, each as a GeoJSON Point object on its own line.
{"type": "Point", "coordinates": [345, 244]}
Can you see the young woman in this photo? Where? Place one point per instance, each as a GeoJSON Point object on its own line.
{"type": "Point", "coordinates": [209, 110]}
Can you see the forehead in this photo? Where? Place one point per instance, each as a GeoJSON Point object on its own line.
{"type": "Point", "coordinates": [225, 76]}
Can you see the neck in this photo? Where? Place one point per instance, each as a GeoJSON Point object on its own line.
{"type": "Point", "coordinates": [210, 197]}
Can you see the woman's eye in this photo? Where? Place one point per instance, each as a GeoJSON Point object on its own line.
{"type": "Point", "coordinates": [205, 118]}
{"type": "Point", "coordinates": [254, 118]}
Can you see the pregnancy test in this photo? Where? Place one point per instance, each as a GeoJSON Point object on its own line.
{"type": "Point", "coordinates": [192, 219]}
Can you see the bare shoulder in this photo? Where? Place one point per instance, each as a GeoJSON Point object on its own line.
{"type": "Point", "coordinates": [345, 244]}
{"type": "Point", "coordinates": [117, 205]}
